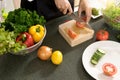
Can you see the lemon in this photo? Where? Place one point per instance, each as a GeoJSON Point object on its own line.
{"type": "Point", "coordinates": [57, 57]}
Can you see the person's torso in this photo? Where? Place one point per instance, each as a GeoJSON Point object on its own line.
{"type": "Point", "coordinates": [47, 8]}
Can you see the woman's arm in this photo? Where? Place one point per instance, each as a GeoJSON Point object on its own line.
{"type": "Point", "coordinates": [84, 5]}
{"type": "Point", "coordinates": [64, 6]}
{"type": "Point", "coordinates": [16, 3]}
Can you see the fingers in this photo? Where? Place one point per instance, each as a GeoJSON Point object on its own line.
{"type": "Point", "coordinates": [65, 9]}
{"type": "Point", "coordinates": [79, 11]}
{"type": "Point", "coordinates": [88, 14]}
{"type": "Point", "coordinates": [84, 6]}
{"type": "Point", "coordinates": [70, 11]}
{"type": "Point", "coordinates": [64, 6]}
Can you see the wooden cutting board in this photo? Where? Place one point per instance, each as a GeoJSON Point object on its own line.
{"type": "Point", "coordinates": [83, 34]}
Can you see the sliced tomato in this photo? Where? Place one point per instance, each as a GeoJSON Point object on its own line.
{"type": "Point", "coordinates": [84, 18]}
{"type": "Point", "coordinates": [80, 24]}
{"type": "Point", "coordinates": [109, 69]}
{"type": "Point", "coordinates": [72, 34]}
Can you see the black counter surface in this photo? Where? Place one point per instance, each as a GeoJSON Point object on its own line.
{"type": "Point", "coordinates": [30, 67]}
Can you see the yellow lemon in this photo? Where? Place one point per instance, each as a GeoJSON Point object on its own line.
{"type": "Point", "coordinates": [57, 57]}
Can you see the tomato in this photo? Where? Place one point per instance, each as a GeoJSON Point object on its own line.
{"type": "Point", "coordinates": [84, 18]}
{"type": "Point", "coordinates": [80, 24]}
{"type": "Point", "coordinates": [72, 34]}
{"type": "Point", "coordinates": [102, 35]}
{"type": "Point", "coordinates": [109, 69]}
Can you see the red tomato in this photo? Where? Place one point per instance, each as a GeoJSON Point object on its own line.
{"type": "Point", "coordinates": [80, 24]}
{"type": "Point", "coordinates": [102, 35]}
{"type": "Point", "coordinates": [109, 69]}
{"type": "Point", "coordinates": [67, 20]}
{"type": "Point", "coordinates": [72, 34]}
{"type": "Point", "coordinates": [84, 18]}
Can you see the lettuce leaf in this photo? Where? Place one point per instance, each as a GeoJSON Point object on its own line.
{"type": "Point", "coordinates": [7, 42]}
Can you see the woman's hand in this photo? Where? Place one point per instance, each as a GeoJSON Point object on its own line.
{"type": "Point", "coordinates": [16, 3]}
{"type": "Point", "coordinates": [84, 5]}
{"type": "Point", "coordinates": [64, 6]}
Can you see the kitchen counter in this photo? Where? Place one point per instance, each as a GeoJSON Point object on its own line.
{"type": "Point", "coordinates": [29, 67]}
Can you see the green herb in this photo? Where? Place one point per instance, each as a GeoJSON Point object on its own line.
{"type": "Point", "coordinates": [4, 14]}
{"type": "Point", "coordinates": [21, 19]}
{"type": "Point", "coordinates": [95, 11]}
{"type": "Point", "coordinates": [118, 37]}
{"type": "Point", "coordinates": [7, 42]}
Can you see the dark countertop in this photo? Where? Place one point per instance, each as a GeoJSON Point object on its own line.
{"type": "Point", "coordinates": [29, 67]}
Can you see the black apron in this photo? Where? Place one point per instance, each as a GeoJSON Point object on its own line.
{"type": "Point", "coordinates": [46, 8]}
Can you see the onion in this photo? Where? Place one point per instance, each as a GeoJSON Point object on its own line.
{"type": "Point", "coordinates": [44, 52]}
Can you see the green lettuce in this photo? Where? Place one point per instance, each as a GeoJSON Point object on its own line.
{"type": "Point", "coordinates": [7, 42]}
{"type": "Point", "coordinates": [111, 15]}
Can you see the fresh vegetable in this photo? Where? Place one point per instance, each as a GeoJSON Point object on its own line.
{"type": "Point", "coordinates": [110, 14]}
{"type": "Point", "coordinates": [118, 37]}
{"type": "Point", "coordinates": [95, 11]}
{"type": "Point", "coordinates": [37, 32]}
{"type": "Point", "coordinates": [80, 24]}
{"type": "Point", "coordinates": [21, 19]}
{"type": "Point", "coordinates": [44, 52]}
{"type": "Point", "coordinates": [8, 43]}
{"type": "Point", "coordinates": [4, 14]}
{"type": "Point", "coordinates": [57, 57]}
{"type": "Point", "coordinates": [98, 54]}
{"type": "Point", "coordinates": [109, 69]}
{"type": "Point", "coordinates": [84, 18]}
{"type": "Point", "coordinates": [16, 22]}
{"type": "Point", "coordinates": [102, 35]}
{"type": "Point", "coordinates": [72, 34]}
{"type": "Point", "coordinates": [25, 38]}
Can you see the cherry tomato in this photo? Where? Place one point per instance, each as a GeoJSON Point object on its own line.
{"type": "Point", "coordinates": [102, 35]}
{"type": "Point", "coordinates": [72, 34]}
{"type": "Point", "coordinates": [109, 69]}
{"type": "Point", "coordinates": [80, 24]}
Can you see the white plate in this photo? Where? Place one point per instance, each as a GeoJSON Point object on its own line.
{"type": "Point", "coordinates": [112, 55]}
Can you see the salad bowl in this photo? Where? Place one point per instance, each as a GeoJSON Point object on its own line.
{"type": "Point", "coordinates": [31, 48]}
{"type": "Point", "coordinates": [16, 32]}
{"type": "Point", "coordinates": [111, 15]}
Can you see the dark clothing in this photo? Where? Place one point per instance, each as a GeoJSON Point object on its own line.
{"type": "Point", "coordinates": [47, 8]}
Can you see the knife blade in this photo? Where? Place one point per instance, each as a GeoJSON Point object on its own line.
{"type": "Point", "coordinates": [79, 19]}
{"type": "Point", "coordinates": [74, 16]}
